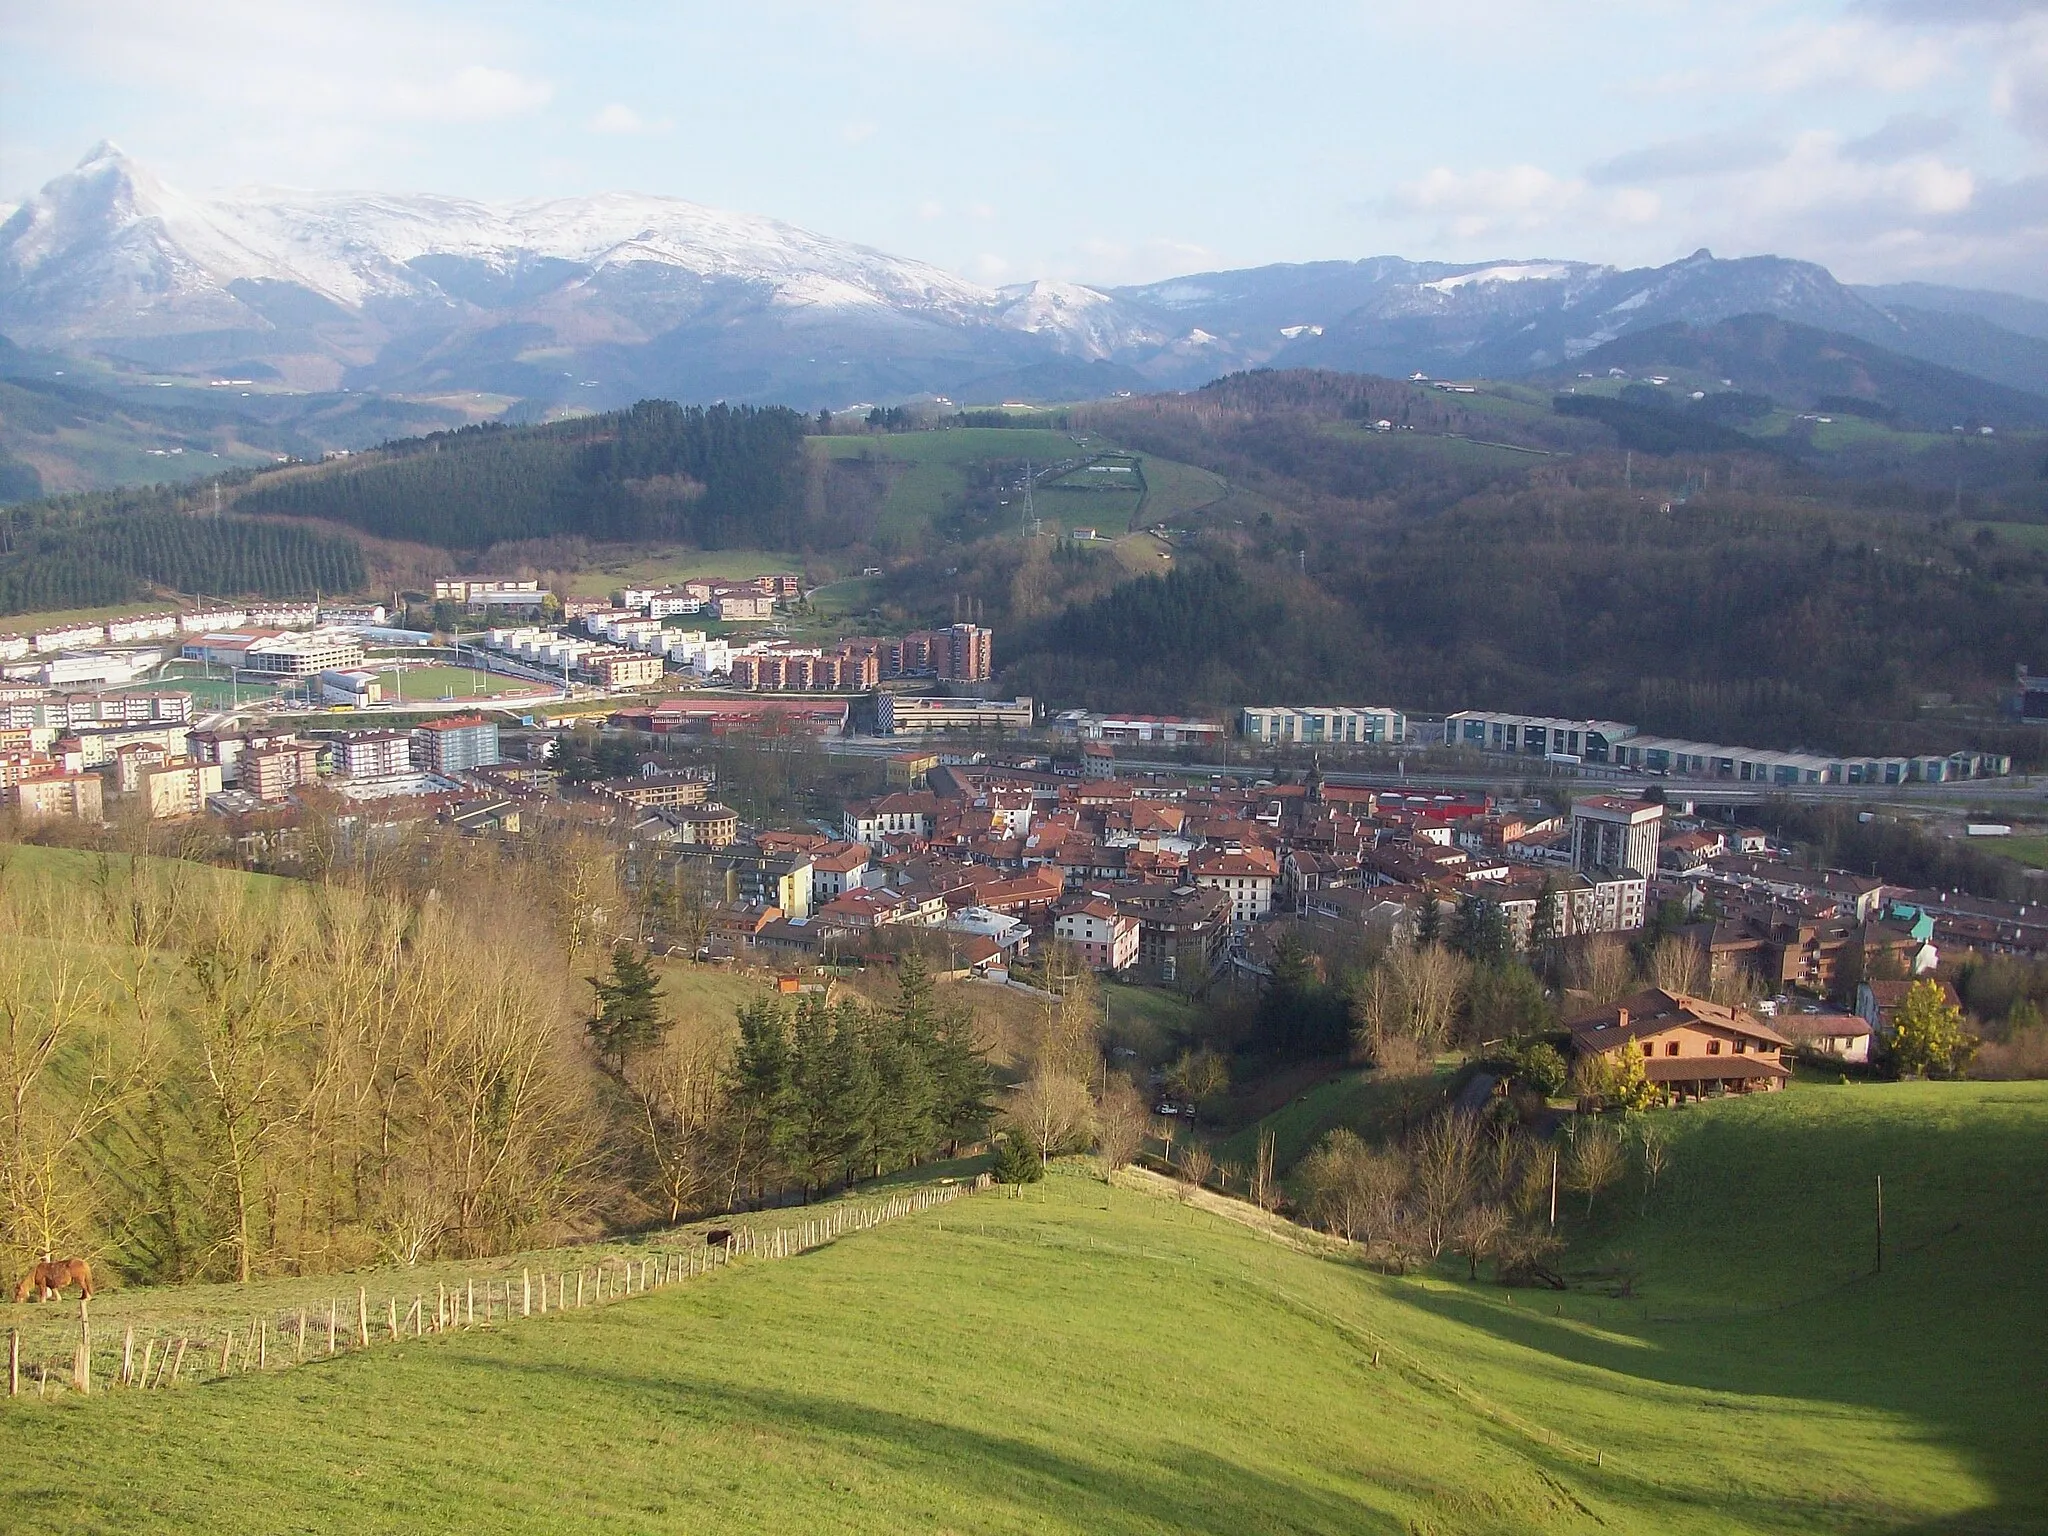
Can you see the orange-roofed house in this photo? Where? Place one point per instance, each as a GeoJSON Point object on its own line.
{"type": "Point", "coordinates": [1692, 1048]}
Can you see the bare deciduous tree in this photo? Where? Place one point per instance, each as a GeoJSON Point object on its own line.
{"type": "Point", "coordinates": [1053, 1113]}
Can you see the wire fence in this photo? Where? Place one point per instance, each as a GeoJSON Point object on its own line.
{"type": "Point", "coordinates": [163, 1357]}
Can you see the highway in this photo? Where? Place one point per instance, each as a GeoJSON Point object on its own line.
{"type": "Point", "coordinates": [2019, 794]}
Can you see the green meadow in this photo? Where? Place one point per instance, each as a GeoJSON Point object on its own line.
{"type": "Point", "coordinates": [1091, 1358]}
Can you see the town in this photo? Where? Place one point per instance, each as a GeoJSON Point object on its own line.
{"type": "Point", "coordinates": [1009, 830]}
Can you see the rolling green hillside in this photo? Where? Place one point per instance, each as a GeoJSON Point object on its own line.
{"type": "Point", "coordinates": [1111, 1360]}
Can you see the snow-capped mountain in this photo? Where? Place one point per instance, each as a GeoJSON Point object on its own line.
{"type": "Point", "coordinates": [605, 299]}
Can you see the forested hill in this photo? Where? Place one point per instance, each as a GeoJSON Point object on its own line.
{"type": "Point", "coordinates": [712, 477]}
{"type": "Point", "coordinates": [52, 558]}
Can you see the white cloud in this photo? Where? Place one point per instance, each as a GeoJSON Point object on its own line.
{"type": "Point", "coordinates": [1855, 53]}
{"type": "Point", "coordinates": [857, 132]}
{"type": "Point", "coordinates": [931, 208]}
{"type": "Point", "coordinates": [616, 117]}
{"type": "Point", "coordinates": [474, 93]}
{"type": "Point", "coordinates": [1515, 200]}
{"type": "Point", "coordinates": [991, 268]}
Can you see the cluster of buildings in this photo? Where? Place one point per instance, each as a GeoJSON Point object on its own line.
{"type": "Point", "coordinates": [79, 754]}
{"type": "Point", "coordinates": [605, 665]}
{"type": "Point", "coordinates": [1620, 745]}
{"type": "Point", "coordinates": [957, 653]}
{"type": "Point", "coordinates": [1163, 879]}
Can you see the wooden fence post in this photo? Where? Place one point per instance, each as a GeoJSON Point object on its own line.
{"type": "Point", "coordinates": [362, 1318]}
{"type": "Point", "coordinates": [148, 1355]}
{"type": "Point", "coordinates": [302, 1333]}
{"type": "Point", "coordinates": [263, 1344]}
{"type": "Point", "coordinates": [179, 1367]}
{"type": "Point", "coordinates": [472, 1303]}
{"type": "Point", "coordinates": [331, 1310]}
{"type": "Point", "coordinates": [14, 1362]}
{"type": "Point", "coordinates": [526, 1283]}
{"type": "Point", "coordinates": [391, 1316]}
{"type": "Point", "coordinates": [226, 1345]}
{"type": "Point", "coordinates": [128, 1357]}
{"type": "Point", "coordinates": [579, 1287]}
{"type": "Point", "coordinates": [419, 1317]}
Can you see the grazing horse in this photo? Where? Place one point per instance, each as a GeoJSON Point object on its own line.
{"type": "Point", "coordinates": [718, 1237]}
{"type": "Point", "coordinates": [48, 1280]}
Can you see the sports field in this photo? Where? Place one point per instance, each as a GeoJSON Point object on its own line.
{"type": "Point", "coordinates": [424, 684]}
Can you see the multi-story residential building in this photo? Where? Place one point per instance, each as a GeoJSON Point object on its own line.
{"type": "Point", "coordinates": [133, 761]}
{"type": "Point", "coordinates": [900, 715]}
{"type": "Point", "coordinates": [745, 875]}
{"type": "Point", "coordinates": [707, 824]}
{"type": "Point", "coordinates": [179, 787]}
{"type": "Point", "coordinates": [613, 669]}
{"type": "Point", "coordinates": [1183, 931]}
{"type": "Point", "coordinates": [274, 772]}
{"type": "Point", "coordinates": [1105, 938]}
{"type": "Point", "coordinates": [1324, 725]}
{"type": "Point", "coordinates": [455, 745]}
{"type": "Point", "coordinates": [909, 814]}
{"type": "Point", "coordinates": [1246, 878]}
{"type": "Point", "coordinates": [1613, 834]}
{"type": "Point", "coordinates": [373, 755]}
{"type": "Point", "coordinates": [78, 795]}
{"type": "Point", "coordinates": [743, 605]}
{"type": "Point", "coordinates": [98, 744]}
{"type": "Point", "coordinates": [836, 869]}
{"type": "Point", "coordinates": [652, 790]}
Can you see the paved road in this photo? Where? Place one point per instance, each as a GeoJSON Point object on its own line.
{"type": "Point", "coordinates": [2018, 794]}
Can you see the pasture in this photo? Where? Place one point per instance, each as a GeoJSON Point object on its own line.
{"type": "Point", "coordinates": [630, 566]}
{"type": "Point", "coordinates": [1104, 1358]}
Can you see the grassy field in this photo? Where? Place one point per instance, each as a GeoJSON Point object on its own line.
{"type": "Point", "coordinates": [936, 464]}
{"type": "Point", "coordinates": [1103, 1359]}
{"type": "Point", "coordinates": [1462, 451]}
{"type": "Point", "coordinates": [642, 568]}
{"type": "Point", "coordinates": [1173, 490]}
{"type": "Point", "coordinates": [428, 683]}
{"type": "Point", "coordinates": [1147, 1020]}
{"type": "Point", "coordinates": [2025, 535]}
{"type": "Point", "coordinates": [29, 623]}
{"type": "Point", "coordinates": [2030, 849]}
{"type": "Point", "coordinates": [1355, 1100]}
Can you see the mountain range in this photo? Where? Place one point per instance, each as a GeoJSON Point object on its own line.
{"type": "Point", "coordinates": [601, 300]}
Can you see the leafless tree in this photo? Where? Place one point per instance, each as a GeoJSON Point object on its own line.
{"type": "Point", "coordinates": [1054, 1114]}
{"type": "Point", "coordinates": [1676, 965]}
{"type": "Point", "coordinates": [1593, 1160]}
{"type": "Point", "coordinates": [1120, 1118]}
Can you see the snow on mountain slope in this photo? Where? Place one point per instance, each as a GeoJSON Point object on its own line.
{"type": "Point", "coordinates": [1085, 321]}
{"type": "Point", "coordinates": [607, 298]}
{"type": "Point", "coordinates": [107, 245]}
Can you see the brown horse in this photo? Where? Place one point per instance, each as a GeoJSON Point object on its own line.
{"type": "Point", "coordinates": [48, 1280]}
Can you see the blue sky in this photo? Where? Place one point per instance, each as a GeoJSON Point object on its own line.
{"type": "Point", "coordinates": [1890, 139]}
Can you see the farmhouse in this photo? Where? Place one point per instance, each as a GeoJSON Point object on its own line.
{"type": "Point", "coordinates": [1692, 1048]}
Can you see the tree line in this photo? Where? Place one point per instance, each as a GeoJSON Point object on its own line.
{"type": "Point", "coordinates": [815, 1093]}
{"type": "Point", "coordinates": [712, 476]}
{"type": "Point", "coordinates": [60, 563]}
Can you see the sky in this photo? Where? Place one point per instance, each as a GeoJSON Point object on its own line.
{"type": "Point", "coordinates": [1892, 140]}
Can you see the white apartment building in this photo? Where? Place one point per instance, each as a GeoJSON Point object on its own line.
{"type": "Point", "coordinates": [1105, 939]}
{"type": "Point", "coordinates": [1245, 878]}
{"type": "Point", "coordinates": [373, 754]}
